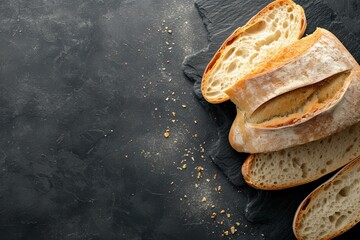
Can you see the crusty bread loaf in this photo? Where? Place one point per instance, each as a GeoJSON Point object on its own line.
{"type": "Point", "coordinates": [302, 164]}
{"type": "Point", "coordinates": [332, 208]}
{"type": "Point", "coordinates": [304, 63]}
{"type": "Point", "coordinates": [302, 104]}
{"type": "Point", "coordinates": [280, 23]}
{"type": "Point", "coordinates": [245, 138]}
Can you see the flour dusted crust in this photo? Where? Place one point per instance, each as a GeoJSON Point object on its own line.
{"type": "Point", "coordinates": [280, 23]}
{"type": "Point", "coordinates": [332, 208]}
{"type": "Point", "coordinates": [245, 138]}
{"type": "Point", "coordinates": [305, 62]}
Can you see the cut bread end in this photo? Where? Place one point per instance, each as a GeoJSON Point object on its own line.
{"type": "Point", "coordinates": [304, 163]}
{"type": "Point", "coordinates": [332, 208]}
{"type": "Point", "coordinates": [280, 23]}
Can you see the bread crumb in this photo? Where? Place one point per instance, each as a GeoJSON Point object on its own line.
{"type": "Point", "coordinates": [171, 183]}
{"type": "Point", "coordinates": [183, 105]}
{"type": "Point", "coordinates": [212, 206]}
{"type": "Point", "coordinates": [214, 177]}
{"type": "Point", "coordinates": [226, 233]}
{"type": "Point", "coordinates": [220, 222]}
{"type": "Point", "coordinates": [237, 224]}
{"type": "Point", "coordinates": [208, 180]}
{"type": "Point", "coordinates": [213, 215]}
{"type": "Point", "coordinates": [173, 113]}
{"type": "Point", "coordinates": [203, 199]}
{"type": "Point", "coordinates": [199, 175]}
{"type": "Point", "coordinates": [233, 230]}
{"type": "Point", "coordinates": [218, 188]}
{"type": "Point", "coordinates": [184, 166]}
{"type": "Point", "coordinates": [228, 215]}
{"type": "Point", "coordinates": [222, 211]}
{"type": "Point", "coordinates": [167, 133]}
{"type": "Point", "coordinates": [196, 185]}
{"type": "Point", "coordinates": [199, 168]}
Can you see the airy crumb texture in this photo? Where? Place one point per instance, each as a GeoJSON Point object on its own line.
{"type": "Point", "coordinates": [332, 208]}
{"type": "Point", "coordinates": [304, 163]}
{"type": "Point", "coordinates": [277, 25]}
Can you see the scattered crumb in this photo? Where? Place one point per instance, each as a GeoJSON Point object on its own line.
{"type": "Point", "coordinates": [212, 206]}
{"type": "Point", "coordinates": [218, 188]}
{"type": "Point", "coordinates": [233, 230]}
{"type": "Point", "coordinates": [226, 233]}
{"type": "Point", "coordinates": [213, 215]}
{"type": "Point", "coordinates": [237, 224]}
{"type": "Point", "coordinates": [203, 199]}
{"type": "Point", "coordinates": [222, 211]}
{"type": "Point", "coordinates": [220, 222]}
{"type": "Point", "coordinates": [173, 113]}
{"type": "Point", "coordinates": [199, 168]}
{"type": "Point", "coordinates": [199, 176]}
{"type": "Point", "coordinates": [228, 215]}
{"type": "Point", "coordinates": [183, 106]}
{"type": "Point", "coordinates": [196, 185]}
{"type": "Point", "coordinates": [171, 183]}
{"type": "Point", "coordinates": [208, 180]}
{"type": "Point", "coordinates": [214, 177]}
{"type": "Point", "coordinates": [167, 133]}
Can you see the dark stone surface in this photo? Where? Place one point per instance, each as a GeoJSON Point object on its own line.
{"type": "Point", "coordinates": [87, 90]}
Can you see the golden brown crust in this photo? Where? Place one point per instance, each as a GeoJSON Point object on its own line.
{"type": "Point", "coordinates": [246, 168]}
{"type": "Point", "coordinates": [236, 34]}
{"type": "Point", "coordinates": [305, 203]}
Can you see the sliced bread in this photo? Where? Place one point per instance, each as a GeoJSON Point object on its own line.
{"type": "Point", "coordinates": [332, 208]}
{"type": "Point", "coordinates": [245, 138]}
{"type": "Point", "coordinates": [302, 164]}
{"type": "Point", "coordinates": [280, 23]}
{"type": "Point", "coordinates": [305, 62]}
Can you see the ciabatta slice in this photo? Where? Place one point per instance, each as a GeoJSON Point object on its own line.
{"type": "Point", "coordinates": [302, 164]}
{"type": "Point", "coordinates": [305, 62]}
{"type": "Point", "coordinates": [332, 208]}
{"type": "Point", "coordinates": [280, 23]}
{"type": "Point", "coordinates": [245, 138]}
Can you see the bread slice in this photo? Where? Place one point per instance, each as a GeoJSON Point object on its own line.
{"type": "Point", "coordinates": [245, 138]}
{"type": "Point", "coordinates": [302, 164]}
{"type": "Point", "coordinates": [332, 208]}
{"type": "Point", "coordinates": [280, 23]}
{"type": "Point", "coordinates": [305, 62]}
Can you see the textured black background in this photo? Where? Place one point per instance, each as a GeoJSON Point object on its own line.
{"type": "Point", "coordinates": [87, 89]}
